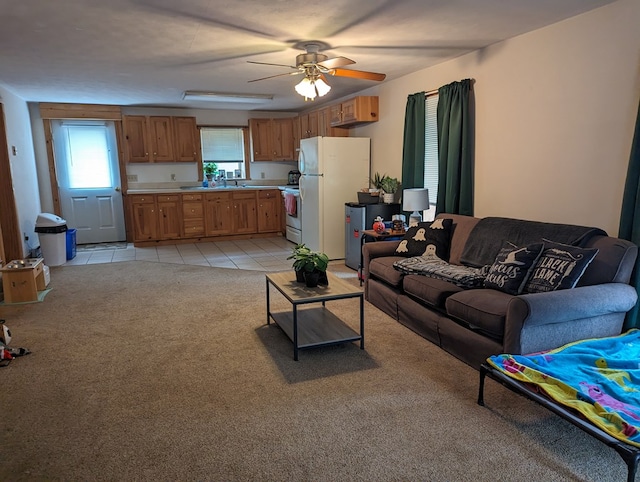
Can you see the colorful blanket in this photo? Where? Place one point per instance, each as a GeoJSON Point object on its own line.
{"type": "Point", "coordinates": [600, 378]}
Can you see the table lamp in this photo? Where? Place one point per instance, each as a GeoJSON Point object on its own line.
{"type": "Point", "coordinates": [415, 200]}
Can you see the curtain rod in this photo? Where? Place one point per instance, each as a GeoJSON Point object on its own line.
{"type": "Point", "coordinates": [431, 92]}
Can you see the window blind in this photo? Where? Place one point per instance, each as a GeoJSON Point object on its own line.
{"type": "Point", "coordinates": [222, 144]}
{"type": "Point", "coordinates": [431, 148]}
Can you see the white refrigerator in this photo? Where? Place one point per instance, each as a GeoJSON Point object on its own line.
{"type": "Point", "coordinates": [332, 171]}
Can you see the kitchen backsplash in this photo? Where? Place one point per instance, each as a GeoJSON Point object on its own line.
{"type": "Point", "coordinates": [261, 172]}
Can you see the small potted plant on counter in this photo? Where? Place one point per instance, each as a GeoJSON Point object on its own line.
{"type": "Point", "coordinates": [210, 170]}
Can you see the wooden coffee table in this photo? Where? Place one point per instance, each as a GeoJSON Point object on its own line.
{"type": "Point", "coordinates": [313, 327]}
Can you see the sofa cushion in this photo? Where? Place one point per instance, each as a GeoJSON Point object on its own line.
{"type": "Point", "coordinates": [512, 267]}
{"type": "Point", "coordinates": [382, 268]}
{"type": "Point", "coordinates": [559, 267]}
{"type": "Point", "coordinates": [434, 267]}
{"type": "Point", "coordinates": [483, 310]}
{"type": "Point", "coordinates": [427, 238]}
{"type": "Point", "coordinates": [431, 291]}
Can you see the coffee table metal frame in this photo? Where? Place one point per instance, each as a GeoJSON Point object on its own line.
{"type": "Point", "coordinates": [313, 327]}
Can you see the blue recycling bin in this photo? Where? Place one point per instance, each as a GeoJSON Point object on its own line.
{"type": "Point", "coordinates": [71, 244]}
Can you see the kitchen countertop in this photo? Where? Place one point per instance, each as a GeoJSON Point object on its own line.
{"type": "Point", "coordinates": [190, 188]}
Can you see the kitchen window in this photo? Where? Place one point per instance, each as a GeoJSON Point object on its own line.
{"type": "Point", "coordinates": [227, 147]}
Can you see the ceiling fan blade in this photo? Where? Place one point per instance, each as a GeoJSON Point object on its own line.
{"type": "Point", "coordinates": [277, 75]}
{"type": "Point", "coordinates": [267, 63]}
{"type": "Point", "coordinates": [336, 62]}
{"type": "Point", "coordinates": [357, 74]}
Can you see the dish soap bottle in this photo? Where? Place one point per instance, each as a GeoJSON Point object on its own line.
{"type": "Point", "coordinates": [205, 182]}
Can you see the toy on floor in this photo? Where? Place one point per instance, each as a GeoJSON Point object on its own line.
{"type": "Point", "coordinates": [6, 353]}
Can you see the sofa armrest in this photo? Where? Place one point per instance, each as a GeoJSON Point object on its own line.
{"type": "Point", "coordinates": [594, 305]}
{"type": "Point", "coordinates": [376, 249]}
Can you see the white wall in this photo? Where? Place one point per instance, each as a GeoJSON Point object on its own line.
{"type": "Point", "coordinates": [555, 113]}
{"type": "Point", "coordinates": [23, 166]}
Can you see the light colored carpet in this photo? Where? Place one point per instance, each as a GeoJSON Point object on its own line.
{"type": "Point", "coordinates": [151, 371]}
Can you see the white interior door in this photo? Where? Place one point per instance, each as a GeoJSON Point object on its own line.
{"type": "Point", "coordinates": [89, 180]}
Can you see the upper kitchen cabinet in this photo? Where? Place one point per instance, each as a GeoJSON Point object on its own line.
{"type": "Point", "coordinates": [136, 138]}
{"type": "Point", "coordinates": [160, 139]}
{"type": "Point", "coordinates": [272, 139]}
{"type": "Point", "coordinates": [187, 139]}
{"type": "Point", "coordinates": [357, 110]}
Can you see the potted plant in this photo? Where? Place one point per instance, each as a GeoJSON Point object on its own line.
{"type": "Point", "coordinates": [310, 266]}
{"type": "Point", "coordinates": [390, 187]}
{"type": "Point", "coordinates": [210, 169]}
{"type": "Point", "coordinates": [376, 182]}
{"type": "Point", "coordinates": [299, 255]}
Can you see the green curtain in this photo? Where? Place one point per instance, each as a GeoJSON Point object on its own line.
{"type": "Point", "coordinates": [630, 217]}
{"type": "Point", "coordinates": [413, 144]}
{"type": "Point", "coordinates": [455, 150]}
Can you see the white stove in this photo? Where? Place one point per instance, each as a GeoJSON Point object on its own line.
{"type": "Point", "coordinates": [294, 221]}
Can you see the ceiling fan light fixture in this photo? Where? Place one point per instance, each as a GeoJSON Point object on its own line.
{"type": "Point", "coordinates": [311, 88]}
{"type": "Point", "coordinates": [227, 97]}
{"type": "Point", "coordinates": [306, 89]}
{"type": "Point", "coordinates": [322, 87]}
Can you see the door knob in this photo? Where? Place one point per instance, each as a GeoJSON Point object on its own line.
{"type": "Point", "coordinates": [118, 189]}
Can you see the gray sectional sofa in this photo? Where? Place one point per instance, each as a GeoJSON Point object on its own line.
{"type": "Point", "coordinates": [473, 323]}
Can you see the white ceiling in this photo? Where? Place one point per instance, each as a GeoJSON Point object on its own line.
{"type": "Point", "coordinates": [148, 52]}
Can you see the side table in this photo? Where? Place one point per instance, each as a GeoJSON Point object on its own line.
{"type": "Point", "coordinates": [22, 279]}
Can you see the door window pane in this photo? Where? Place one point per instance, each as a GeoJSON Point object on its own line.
{"type": "Point", "coordinates": [88, 156]}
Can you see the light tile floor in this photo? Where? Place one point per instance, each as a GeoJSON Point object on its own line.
{"type": "Point", "coordinates": [261, 254]}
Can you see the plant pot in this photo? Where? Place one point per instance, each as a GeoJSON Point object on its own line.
{"type": "Point", "coordinates": [311, 278]}
{"type": "Point", "coordinates": [322, 279]}
{"type": "Point", "coordinates": [389, 197]}
{"type": "Point", "coordinates": [300, 276]}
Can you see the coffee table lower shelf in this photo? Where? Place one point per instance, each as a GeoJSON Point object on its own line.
{"type": "Point", "coordinates": [316, 327]}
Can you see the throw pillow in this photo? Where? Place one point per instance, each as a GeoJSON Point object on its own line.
{"type": "Point", "coordinates": [427, 239]}
{"type": "Point", "coordinates": [559, 267]}
{"type": "Point", "coordinates": [512, 267]}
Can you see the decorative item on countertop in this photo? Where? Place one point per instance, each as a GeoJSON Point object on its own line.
{"type": "Point", "coordinates": [378, 225]}
{"type": "Point", "coordinates": [389, 186]}
{"type": "Point", "coordinates": [310, 266]}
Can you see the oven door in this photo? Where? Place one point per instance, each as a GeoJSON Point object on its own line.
{"type": "Point", "coordinates": [294, 220]}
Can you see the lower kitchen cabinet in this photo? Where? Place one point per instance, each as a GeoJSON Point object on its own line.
{"type": "Point", "coordinates": [169, 216]}
{"type": "Point", "coordinates": [159, 217]}
{"type": "Point", "coordinates": [144, 215]}
{"type": "Point", "coordinates": [156, 217]}
{"type": "Point", "coordinates": [192, 216]}
{"type": "Point", "coordinates": [217, 213]}
{"type": "Point", "coordinates": [269, 210]}
{"type": "Point", "coordinates": [244, 218]}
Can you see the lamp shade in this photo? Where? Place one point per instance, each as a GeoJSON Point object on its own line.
{"type": "Point", "coordinates": [415, 200]}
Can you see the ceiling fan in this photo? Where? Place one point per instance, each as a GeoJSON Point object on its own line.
{"type": "Point", "coordinates": [315, 66]}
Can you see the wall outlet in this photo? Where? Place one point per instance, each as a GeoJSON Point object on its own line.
{"type": "Point", "coordinates": [132, 177]}
{"type": "Point", "coordinates": [262, 175]}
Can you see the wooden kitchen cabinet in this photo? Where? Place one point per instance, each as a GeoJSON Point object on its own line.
{"type": "Point", "coordinates": [260, 132]}
{"type": "Point", "coordinates": [169, 216]}
{"type": "Point", "coordinates": [272, 139]}
{"type": "Point", "coordinates": [269, 210]}
{"type": "Point", "coordinates": [145, 217]}
{"type": "Point", "coordinates": [355, 111]}
{"type": "Point", "coordinates": [193, 215]}
{"type": "Point", "coordinates": [136, 138]}
{"type": "Point", "coordinates": [282, 137]}
{"type": "Point", "coordinates": [187, 139]}
{"type": "Point", "coordinates": [156, 217]}
{"type": "Point", "coordinates": [244, 217]}
{"type": "Point", "coordinates": [160, 139]}
{"type": "Point", "coordinates": [217, 213]}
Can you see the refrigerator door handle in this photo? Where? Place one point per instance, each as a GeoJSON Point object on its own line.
{"type": "Point", "coordinates": [314, 175]}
